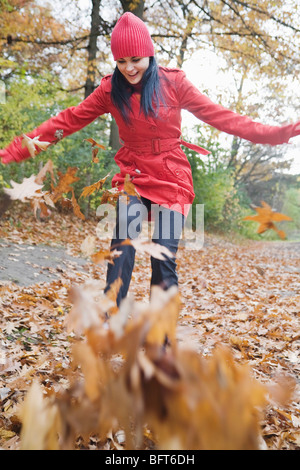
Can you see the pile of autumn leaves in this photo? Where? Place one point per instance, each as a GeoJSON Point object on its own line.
{"type": "Point", "coordinates": [124, 377]}
{"type": "Point", "coordinates": [128, 372]}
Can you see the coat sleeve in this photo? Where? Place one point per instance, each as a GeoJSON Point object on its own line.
{"type": "Point", "coordinates": [63, 124]}
{"type": "Point", "coordinates": [228, 121]}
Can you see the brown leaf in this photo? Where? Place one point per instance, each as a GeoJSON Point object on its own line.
{"type": "Point", "coordinates": [64, 183]}
{"type": "Point", "coordinates": [88, 190]}
{"type": "Point", "coordinates": [95, 159]}
{"type": "Point", "coordinates": [110, 196]}
{"type": "Point", "coordinates": [129, 187]}
{"type": "Point", "coordinates": [105, 255]}
{"type": "Point", "coordinates": [76, 208]}
{"type": "Point", "coordinates": [95, 144]}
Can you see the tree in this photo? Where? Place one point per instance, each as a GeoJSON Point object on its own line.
{"type": "Point", "coordinates": [266, 34]}
{"type": "Point", "coordinates": [31, 39]}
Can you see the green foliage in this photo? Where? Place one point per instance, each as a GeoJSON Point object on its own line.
{"type": "Point", "coordinates": [214, 186]}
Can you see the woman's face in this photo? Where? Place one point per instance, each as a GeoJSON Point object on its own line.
{"type": "Point", "coordinates": [133, 68]}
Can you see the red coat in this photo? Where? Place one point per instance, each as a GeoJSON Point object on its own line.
{"type": "Point", "coordinates": [152, 150]}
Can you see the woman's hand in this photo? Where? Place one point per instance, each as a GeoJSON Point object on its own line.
{"type": "Point", "coordinates": [297, 127]}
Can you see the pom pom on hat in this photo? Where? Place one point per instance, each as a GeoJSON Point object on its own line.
{"type": "Point", "coordinates": [131, 38]}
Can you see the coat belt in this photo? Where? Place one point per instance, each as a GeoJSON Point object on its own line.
{"type": "Point", "coordinates": [157, 146]}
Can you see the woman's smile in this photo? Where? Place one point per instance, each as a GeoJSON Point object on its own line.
{"type": "Point", "coordinates": [133, 68]}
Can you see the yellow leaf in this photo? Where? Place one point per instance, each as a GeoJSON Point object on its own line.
{"type": "Point", "coordinates": [31, 144]}
{"type": "Point", "coordinates": [6, 434]}
{"type": "Point", "coordinates": [266, 218]}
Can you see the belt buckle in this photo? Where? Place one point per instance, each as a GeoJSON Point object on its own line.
{"type": "Point", "coordinates": [155, 145]}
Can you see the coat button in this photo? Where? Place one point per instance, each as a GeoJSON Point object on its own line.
{"type": "Point", "coordinates": [153, 128]}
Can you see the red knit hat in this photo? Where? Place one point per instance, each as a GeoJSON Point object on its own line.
{"type": "Point", "coordinates": [131, 38]}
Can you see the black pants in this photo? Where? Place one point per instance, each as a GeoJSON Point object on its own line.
{"type": "Point", "coordinates": [168, 226]}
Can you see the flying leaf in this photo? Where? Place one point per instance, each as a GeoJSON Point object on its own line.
{"type": "Point", "coordinates": [41, 433]}
{"type": "Point", "coordinates": [76, 208]}
{"type": "Point", "coordinates": [165, 306]}
{"type": "Point", "coordinates": [95, 149]}
{"type": "Point", "coordinates": [105, 255]}
{"type": "Point", "coordinates": [88, 245]}
{"type": "Point", "coordinates": [154, 249]}
{"type": "Point", "coordinates": [28, 189]}
{"type": "Point", "coordinates": [95, 159]}
{"type": "Point", "coordinates": [110, 196]}
{"type": "Point", "coordinates": [64, 183]}
{"type": "Point", "coordinates": [88, 190]}
{"type": "Point", "coordinates": [129, 187]}
{"type": "Point", "coordinates": [31, 144]}
{"type": "Point", "coordinates": [95, 144]}
{"type": "Point", "coordinates": [47, 168]}
{"type": "Point", "coordinates": [266, 218]}
{"type": "Point", "coordinates": [89, 307]}
{"type": "Point", "coordinates": [40, 209]}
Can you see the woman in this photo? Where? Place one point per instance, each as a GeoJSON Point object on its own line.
{"type": "Point", "coordinates": [146, 102]}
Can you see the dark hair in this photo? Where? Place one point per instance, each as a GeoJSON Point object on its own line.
{"type": "Point", "coordinates": [151, 91]}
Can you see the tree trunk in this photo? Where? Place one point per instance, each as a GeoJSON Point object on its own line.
{"type": "Point", "coordinates": [137, 7]}
{"type": "Point", "coordinates": [236, 141]}
{"type": "Point", "coordinates": [89, 86]}
{"type": "Point", "coordinates": [185, 37]}
{"type": "Point", "coordinates": [92, 49]}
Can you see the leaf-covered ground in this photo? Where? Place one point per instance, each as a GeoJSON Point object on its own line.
{"type": "Point", "coordinates": [244, 295]}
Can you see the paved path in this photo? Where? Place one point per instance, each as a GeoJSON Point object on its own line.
{"type": "Point", "coordinates": [30, 264]}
